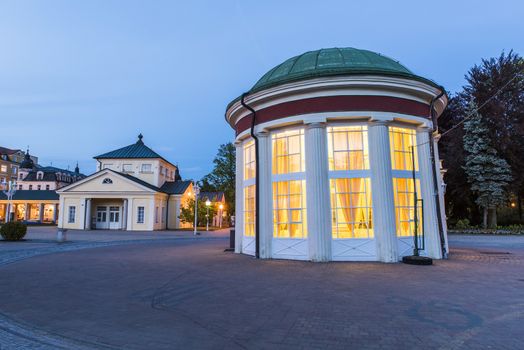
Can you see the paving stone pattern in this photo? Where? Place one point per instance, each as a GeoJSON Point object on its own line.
{"type": "Point", "coordinates": [190, 294]}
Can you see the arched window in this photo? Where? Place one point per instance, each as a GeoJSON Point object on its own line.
{"type": "Point", "coordinates": [107, 181]}
{"type": "Point", "coordinates": [39, 175]}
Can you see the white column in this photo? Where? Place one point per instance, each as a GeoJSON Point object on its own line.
{"type": "Point", "coordinates": [239, 197]}
{"type": "Point", "coordinates": [27, 209]}
{"type": "Point", "coordinates": [428, 195]}
{"type": "Point", "coordinates": [55, 213]}
{"type": "Point", "coordinates": [61, 213]}
{"type": "Point", "coordinates": [130, 213]}
{"type": "Point", "coordinates": [152, 212]}
{"type": "Point", "coordinates": [124, 215]}
{"type": "Point", "coordinates": [87, 211]}
{"type": "Point", "coordinates": [41, 212]}
{"type": "Point", "coordinates": [440, 182]}
{"type": "Point", "coordinates": [177, 212]}
{"type": "Point", "coordinates": [382, 192]}
{"type": "Point", "coordinates": [265, 192]}
{"type": "Point", "coordinates": [317, 196]}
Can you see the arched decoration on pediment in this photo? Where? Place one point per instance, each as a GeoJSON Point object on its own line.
{"type": "Point", "coordinates": [107, 181]}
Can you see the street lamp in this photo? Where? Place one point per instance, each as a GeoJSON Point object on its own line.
{"type": "Point", "coordinates": [9, 189]}
{"type": "Point", "coordinates": [196, 190]}
{"type": "Point", "coordinates": [221, 207]}
{"type": "Point", "coordinates": [208, 203]}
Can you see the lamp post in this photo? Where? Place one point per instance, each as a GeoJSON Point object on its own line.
{"type": "Point", "coordinates": [9, 189]}
{"type": "Point", "coordinates": [221, 207]}
{"type": "Point", "coordinates": [196, 189]}
{"type": "Point", "coordinates": [208, 203]}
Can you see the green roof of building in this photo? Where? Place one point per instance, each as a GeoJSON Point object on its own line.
{"type": "Point", "coordinates": [175, 187]}
{"type": "Point", "coordinates": [35, 195]}
{"type": "Point", "coordinates": [137, 150]}
{"type": "Point", "coordinates": [333, 62]}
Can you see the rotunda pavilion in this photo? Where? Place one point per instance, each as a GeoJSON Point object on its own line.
{"type": "Point", "coordinates": [336, 160]}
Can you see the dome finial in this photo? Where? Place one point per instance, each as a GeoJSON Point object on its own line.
{"type": "Point", "coordinates": [27, 163]}
{"type": "Point", "coordinates": [140, 137]}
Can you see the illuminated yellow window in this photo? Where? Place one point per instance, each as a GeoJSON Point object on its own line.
{"type": "Point", "coordinates": [405, 207]}
{"type": "Point", "coordinates": [288, 152]}
{"type": "Point", "coordinates": [289, 209]}
{"type": "Point", "coordinates": [401, 141]}
{"type": "Point", "coordinates": [249, 210]}
{"type": "Point", "coordinates": [348, 148]}
{"type": "Point", "coordinates": [249, 160]}
{"type": "Point", "coordinates": [351, 208]}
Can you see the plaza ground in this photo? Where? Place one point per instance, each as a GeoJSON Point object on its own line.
{"type": "Point", "coordinates": [171, 290]}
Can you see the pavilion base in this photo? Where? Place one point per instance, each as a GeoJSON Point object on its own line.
{"type": "Point", "coordinates": [417, 260]}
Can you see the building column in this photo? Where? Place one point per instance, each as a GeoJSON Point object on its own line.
{"type": "Point", "coordinates": [124, 215]}
{"type": "Point", "coordinates": [87, 214]}
{"type": "Point", "coordinates": [382, 192]}
{"type": "Point", "coordinates": [55, 213]}
{"type": "Point", "coordinates": [428, 195]}
{"type": "Point", "coordinates": [130, 212]}
{"type": "Point", "coordinates": [317, 185]}
{"type": "Point", "coordinates": [440, 182]}
{"type": "Point", "coordinates": [27, 210]}
{"type": "Point", "coordinates": [61, 213]}
{"type": "Point", "coordinates": [12, 211]}
{"type": "Point", "coordinates": [265, 191]}
{"type": "Point", "coordinates": [41, 213]}
{"type": "Point", "coordinates": [7, 212]}
{"type": "Point", "coordinates": [177, 213]}
{"type": "Point", "coordinates": [152, 213]}
{"type": "Point", "coordinates": [239, 196]}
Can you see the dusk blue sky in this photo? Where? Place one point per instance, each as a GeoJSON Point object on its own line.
{"type": "Point", "coordinates": [79, 78]}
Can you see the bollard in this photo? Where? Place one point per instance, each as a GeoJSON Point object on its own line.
{"type": "Point", "coordinates": [231, 241]}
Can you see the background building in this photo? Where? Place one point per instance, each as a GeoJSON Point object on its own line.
{"type": "Point", "coordinates": [218, 201]}
{"type": "Point", "coordinates": [134, 188]}
{"type": "Point", "coordinates": [336, 129]}
{"type": "Point", "coordinates": [35, 200]}
{"type": "Point", "coordinates": [10, 160]}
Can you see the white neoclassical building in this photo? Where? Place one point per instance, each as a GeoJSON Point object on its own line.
{"type": "Point", "coordinates": [134, 189]}
{"type": "Point", "coordinates": [335, 131]}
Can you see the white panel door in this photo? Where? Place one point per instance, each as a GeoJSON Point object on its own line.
{"type": "Point", "coordinates": [290, 248]}
{"type": "Point", "coordinates": [102, 222]}
{"type": "Point", "coordinates": [248, 245]}
{"type": "Point", "coordinates": [354, 249]}
{"type": "Point", "coordinates": [114, 218]}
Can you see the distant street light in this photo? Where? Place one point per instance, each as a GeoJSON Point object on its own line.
{"type": "Point", "coordinates": [208, 204]}
{"type": "Point", "coordinates": [221, 207]}
{"type": "Point", "coordinates": [9, 189]}
{"type": "Point", "coordinates": [196, 189]}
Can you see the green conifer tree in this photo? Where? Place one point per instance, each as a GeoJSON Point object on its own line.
{"type": "Point", "coordinates": [487, 172]}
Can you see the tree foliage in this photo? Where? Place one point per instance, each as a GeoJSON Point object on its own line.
{"type": "Point", "coordinates": [502, 106]}
{"type": "Point", "coordinates": [486, 171]}
{"type": "Point", "coordinates": [187, 212]}
{"type": "Point", "coordinates": [222, 177]}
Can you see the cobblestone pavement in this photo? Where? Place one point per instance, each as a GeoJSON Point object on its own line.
{"type": "Point", "coordinates": [169, 293]}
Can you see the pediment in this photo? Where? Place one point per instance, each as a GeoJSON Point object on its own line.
{"type": "Point", "coordinates": [106, 181]}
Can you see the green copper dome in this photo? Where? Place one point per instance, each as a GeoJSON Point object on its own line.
{"type": "Point", "coordinates": [330, 62]}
